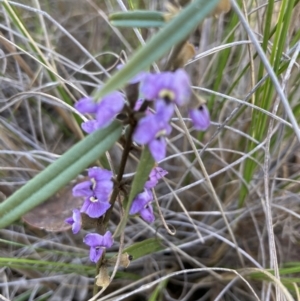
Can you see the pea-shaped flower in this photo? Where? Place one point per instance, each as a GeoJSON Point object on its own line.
{"type": "Point", "coordinates": [97, 244]}
{"type": "Point", "coordinates": [142, 205]}
{"type": "Point", "coordinates": [152, 129]}
{"type": "Point", "coordinates": [97, 191]}
{"type": "Point", "coordinates": [75, 221]}
{"type": "Point", "coordinates": [171, 86]}
{"type": "Point", "coordinates": [99, 184]}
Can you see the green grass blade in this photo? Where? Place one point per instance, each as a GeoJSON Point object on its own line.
{"type": "Point", "coordinates": [58, 174]}
{"type": "Point", "coordinates": [138, 18]}
{"type": "Point", "coordinates": [158, 290]}
{"type": "Point", "coordinates": [264, 95]}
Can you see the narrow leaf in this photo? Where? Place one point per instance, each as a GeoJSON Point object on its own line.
{"type": "Point", "coordinates": [143, 170]}
{"type": "Point", "coordinates": [58, 174]}
{"type": "Point", "coordinates": [145, 247]}
{"type": "Point", "coordinates": [137, 18]}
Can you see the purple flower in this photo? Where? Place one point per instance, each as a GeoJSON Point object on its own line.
{"type": "Point", "coordinates": [155, 175]}
{"type": "Point", "coordinates": [97, 244]}
{"type": "Point", "coordinates": [75, 221]}
{"type": "Point", "coordinates": [200, 118]}
{"type": "Point", "coordinates": [97, 191]}
{"type": "Point", "coordinates": [152, 128]}
{"type": "Point", "coordinates": [99, 186]}
{"type": "Point", "coordinates": [170, 86]}
{"type": "Point", "coordinates": [94, 207]}
{"type": "Point", "coordinates": [106, 110]}
{"type": "Point", "coordinates": [142, 205]}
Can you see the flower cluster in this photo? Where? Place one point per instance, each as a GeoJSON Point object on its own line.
{"type": "Point", "coordinates": [96, 191]}
{"type": "Point", "coordinates": [165, 90]}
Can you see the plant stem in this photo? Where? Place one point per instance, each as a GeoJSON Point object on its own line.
{"type": "Point", "coordinates": [103, 222]}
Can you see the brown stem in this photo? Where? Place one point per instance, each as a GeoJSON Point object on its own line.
{"type": "Point", "coordinates": [119, 178]}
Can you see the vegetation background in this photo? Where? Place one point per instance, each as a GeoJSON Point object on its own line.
{"type": "Point", "coordinates": [231, 198]}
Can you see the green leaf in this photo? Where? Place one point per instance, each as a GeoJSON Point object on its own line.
{"type": "Point", "coordinates": [143, 170]}
{"type": "Point", "coordinates": [173, 33]}
{"type": "Point", "coordinates": [137, 18]}
{"type": "Point", "coordinates": [145, 247]}
{"type": "Point", "coordinates": [58, 174]}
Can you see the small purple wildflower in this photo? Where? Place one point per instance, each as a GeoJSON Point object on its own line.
{"type": "Point", "coordinates": [155, 175]}
{"type": "Point", "coordinates": [142, 205]}
{"type": "Point", "coordinates": [170, 86]}
{"type": "Point", "coordinates": [97, 244]}
{"type": "Point", "coordinates": [200, 118]}
{"type": "Point", "coordinates": [100, 185]}
{"type": "Point", "coordinates": [97, 191]}
{"type": "Point", "coordinates": [94, 207]}
{"type": "Point", "coordinates": [75, 221]}
{"type": "Point", "coordinates": [152, 128]}
{"type": "Point", "coordinates": [106, 110]}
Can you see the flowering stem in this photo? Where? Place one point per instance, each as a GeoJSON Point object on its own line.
{"type": "Point", "coordinates": [103, 223]}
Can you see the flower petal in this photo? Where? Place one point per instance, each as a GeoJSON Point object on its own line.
{"type": "Point", "coordinates": [158, 148]}
{"type": "Point", "coordinates": [77, 221]}
{"type": "Point", "coordinates": [83, 189]}
{"type": "Point", "coordinates": [108, 240]}
{"type": "Point", "coordinates": [69, 220]}
{"type": "Point", "coordinates": [138, 104]}
{"type": "Point", "coordinates": [103, 190]}
{"type": "Point", "coordinates": [182, 87]}
{"type": "Point", "coordinates": [94, 209]}
{"type": "Point", "coordinates": [147, 214]}
{"type": "Point", "coordinates": [95, 254]}
{"type": "Point", "coordinates": [86, 105]}
{"type": "Point", "coordinates": [164, 111]}
{"type": "Point", "coordinates": [140, 201]}
{"type": "Point", "coordinates": [200, 118]}
{"type": "Point", "coordinates": [155, 175]}
{"type": "Point", "coordinates": [99, 174]}
{"type": "Point", "coordinates": [93, 240]}
{"type": "Point", "coordinates": [149, 87]}
{"type": "Point", "coordinates": [90, 126]}
{"type": "Point", "coordinates": [108, 108]}
{"type": "Point", "coordinates": [146, 130]}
